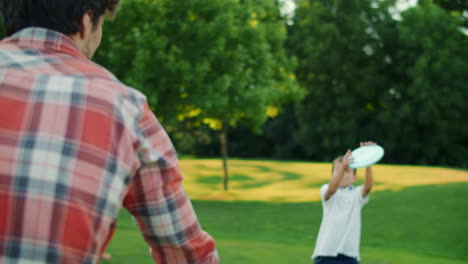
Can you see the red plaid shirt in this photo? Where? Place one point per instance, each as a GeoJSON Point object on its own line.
{"type": "Point", "coordinates": [75, 146]}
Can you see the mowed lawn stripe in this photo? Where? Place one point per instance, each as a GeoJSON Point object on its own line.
{"type": "Point", "coordinates": [283, 181]}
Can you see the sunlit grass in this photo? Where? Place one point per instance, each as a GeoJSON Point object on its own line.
{"type": "Point", "coordinates": [278, 181]}
{"type": "Point", "coordinates": [300, 254]}
{"type": "Point", "coordinates": [272, 214]}
{"type": "Point", "coordinates": [416, 225]}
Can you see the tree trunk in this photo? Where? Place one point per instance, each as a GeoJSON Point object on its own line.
{"type": "Point", "coordinates": [224, 154]}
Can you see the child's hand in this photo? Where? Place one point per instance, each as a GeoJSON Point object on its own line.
{"type": "Point", "coordinates": [367, 143]}
{"type": "Point", "coordinates": [347, 159]}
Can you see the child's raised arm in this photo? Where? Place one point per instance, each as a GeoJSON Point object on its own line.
{"type": "Point", "coordinates": [338, 174]}
{"type": "Point", "coordinates": [369, 178]}
{"type": "Point", "coordinates": [368, 182]}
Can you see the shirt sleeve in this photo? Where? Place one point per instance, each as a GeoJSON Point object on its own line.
{"type": "Point", "coordinates": [358, 192]}
{"type": "Point", "coordinates": [323, 191]}
{"type": "Point", "coordinates": [159, 204]}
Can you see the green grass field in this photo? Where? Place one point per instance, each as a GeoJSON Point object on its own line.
{"type": "Point", "coordinates": [417, 215]}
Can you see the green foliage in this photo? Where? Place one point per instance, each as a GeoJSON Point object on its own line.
{"type": "Point", "coordinates": [342, 55]}
{"type": "Point", "coordinates": [203, 61]}
{"type": "Point", "coordinates": [427, 101]}
{"type": "Point", "coordinates": [451, 5]}
{"type": "Point", "coordinates": [401, 82]}
{"type": "Point", "coordinates": [279, 133]}
{"type": "Point", "coordinates": [2, 29]}
{"type": "Point", "coordinates": [457, 8]}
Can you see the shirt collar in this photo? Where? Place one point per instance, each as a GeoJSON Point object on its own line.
{"type": "Point", "coordinates": [350, 187]}
{"type": "Point", "coordinates": [46, 40]}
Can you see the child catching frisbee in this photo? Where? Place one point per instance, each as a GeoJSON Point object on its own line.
{"type": "Point", "coordinates": [340, 231]}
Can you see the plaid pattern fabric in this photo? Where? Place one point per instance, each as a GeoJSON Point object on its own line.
{"type": "Point", "coordinates": [75, 146]}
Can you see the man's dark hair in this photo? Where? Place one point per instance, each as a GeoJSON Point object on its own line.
{"type": "Point", "coordinates": [60, 15]}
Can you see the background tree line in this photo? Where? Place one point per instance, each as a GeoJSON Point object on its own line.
{"type": "Point", "coordinates": [340, 72]}
{"type": "Point", "coordinates": [371, 73]}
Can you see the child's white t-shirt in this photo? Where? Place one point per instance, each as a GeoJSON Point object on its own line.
{"type": "Point", "coordinates": [340, 230]}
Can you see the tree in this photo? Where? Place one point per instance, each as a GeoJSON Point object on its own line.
{"type": "Point", "coordinates": [369, 76]}
{"type": "Point", "coordinates": [342, 58]}
{"type": "Point", "coordinates": [428, 104]}
{"type": "Point", "coordinates": [2, 29]}
{"type": "Point", "coordinates": [458, 8]}
{"type": "Point", "coordinates": [204, 62]}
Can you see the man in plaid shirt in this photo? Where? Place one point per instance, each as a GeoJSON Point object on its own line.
{"type": "Point", "coordinates": [76, 145]}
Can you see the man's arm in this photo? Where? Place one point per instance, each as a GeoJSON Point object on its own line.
{"type": "Point", "coordinates": [160, 206]}
{"type": "Point", "coordinates": [338, 174]}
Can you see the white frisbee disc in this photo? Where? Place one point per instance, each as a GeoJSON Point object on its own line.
{"type": "Point", "coordinates": [365, 156]}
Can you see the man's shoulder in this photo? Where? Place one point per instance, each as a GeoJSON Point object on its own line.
{"type": "Point", "coordinates": [102, 78]}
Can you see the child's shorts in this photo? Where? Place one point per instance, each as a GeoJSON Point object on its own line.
{"type": "Point", "coordinates": [340, 259]}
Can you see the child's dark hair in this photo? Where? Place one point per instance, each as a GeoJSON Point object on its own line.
{"type": "Point", "coordinates": [339, 159]}
{"type": "Point", "coordinates": [60, 15]}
